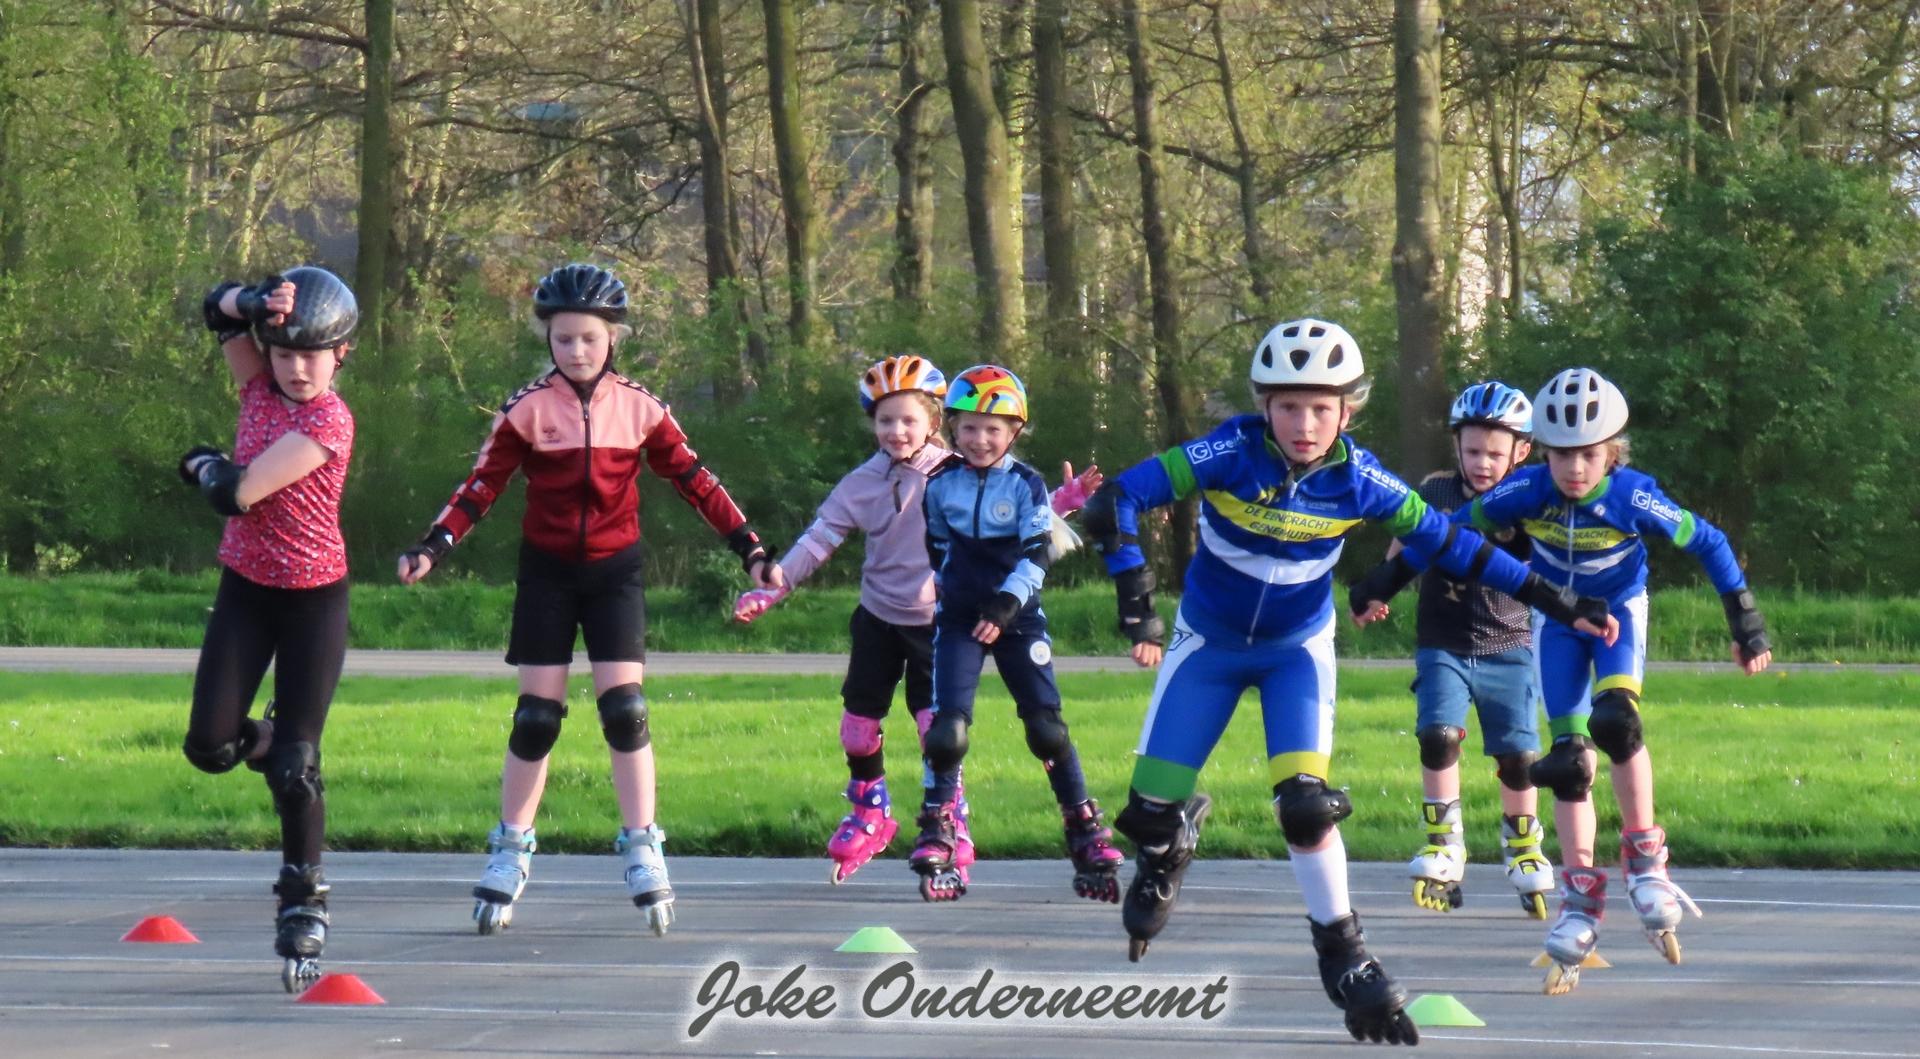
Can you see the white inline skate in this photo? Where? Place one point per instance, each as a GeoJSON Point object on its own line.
{"type": "Point", "coordinates": [1656, 900]}
{"type": "Point", "coordinates": [1441, 864]}
{"type": "Point", "coordinates": [1575, 932]}
{"type": "Point", "coordinates": [1528, 869]}
{"type": "Point", "coordinates": [510, 860]}
{"type": "Point", "coordinates": [647, 874]}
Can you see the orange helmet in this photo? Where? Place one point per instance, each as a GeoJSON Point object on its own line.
{"type": "Point", "coordinates": [990, 389]}
{"type": "Point", "coordinates": [898, 374]}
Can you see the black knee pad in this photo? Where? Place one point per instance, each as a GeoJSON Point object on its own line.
{"type": "Point", "coordinates": [293, 775]}
{"type": "Point", "coordinates": [946, 744]}
{"type": "Point", "coordinates": [1615, 723]}
{"type": "Point", "coordinates": [226, 756]}
{"type": "Point", "coordinates": [1439, 745]}
{"type": "Point", "coordinates": [536, 724]}
{"type": "Point", "coordinates": [1307, 809]}
{"type": "Point", "coordinates": [1149, 824]}
{"type": "Point", "coordinates": [1565, 770]}
{"type": "Point", "coordinates": [623, 718]}
{"type": "Point", "coordinates": [1512, 770]}
{"type": "Point", "coordinates": [1047, 735]}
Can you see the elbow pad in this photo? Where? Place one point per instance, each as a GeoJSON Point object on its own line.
{"type": "Point", "coordinates": [1138, 620]}
{"type": "Point", "coordinates": [1101, 518]}
{"type": "Point", "coordinates": [1744, 621]}
{"type": "Point", "coordinates": [1560, 602]}
{"type": "Point", "coordinates": [220, 484]}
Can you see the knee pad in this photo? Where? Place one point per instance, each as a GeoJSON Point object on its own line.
{"type": "Point", "coordinates": [946, 741]}
{"type": "Point", "coordinates": [1512, 770]}
{"type": "Point", "coordinates": [1047, 735]}
{"type": "Point", "coordinates": [293, 775]}
{"type": "Point", "coordinates": [1615, 723]}
{"type": "Point", "coordinates": [1307, 809]}
{"type": "Point", "coordinates": [860, 736]}
{"type": "Point", "coordinates": [1439, 745]}
{"type": "Point", "coordinates": [1565, 770]}
{"type": "Point", "coordinates": [623, 718]}
{"type": "Point", "coordinates": [536, 724]}
{"type": "Point", "coordinates": [226, 756]}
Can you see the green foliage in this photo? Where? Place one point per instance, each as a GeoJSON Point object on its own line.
{"type": "Point", "coordinates": [1762, 325]}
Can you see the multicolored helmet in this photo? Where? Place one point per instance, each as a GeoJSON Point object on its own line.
{"type": "Point", "coordinates": [898, 375]}
{"type": "Point", "coordinates": [990, 389]}
{"type": "Point", "coordinates": [1492, 404]}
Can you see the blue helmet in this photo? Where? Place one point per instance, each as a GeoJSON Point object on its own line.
{"type": "Point", "coordinates": [1493, 404]}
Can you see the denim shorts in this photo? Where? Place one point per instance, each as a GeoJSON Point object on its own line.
{"type": "Point", "coordinates": [1501, 687]}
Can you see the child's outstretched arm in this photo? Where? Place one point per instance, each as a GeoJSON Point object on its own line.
{"type": "Point", "coordinates": [831, 525]}
{"type": "Point", "coordinates": [670, 457]}
{"type": "Point", "coordinates": [1075, 490]}
{"type": "Point", "coordinates": [231, 309]}
{"type": "Point", "coordinates": [501, 454]}
{"type": "Point", "coordinates": [1112, 519]}
{"type": "Point", "coordinates": [1655, 513]}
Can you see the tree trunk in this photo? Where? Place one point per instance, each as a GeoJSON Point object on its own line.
{"type": "Point", "coordinates": [1416, 244]}
{"type": "Point", "coordinates": [912, 271]}
{"type": "Point", "coordinates": [1055, 133]}
{"type": "Point", "coordinates": [1245, 176]}
{"type": "Point", "coordinates": [983, 153]}
{"type": "Point", "coordinates": [791, 151]}
{"type": "Point", "coordinates": [1007, 81]}
{"type": "Point", "coordinates": [376, 176]}
{"type": "Point", "coordinates": [1715, 66]}
{"type": "Point", "coordinates": [725, 296]}
{"type": "Point", "coordinates": [1163, 283]}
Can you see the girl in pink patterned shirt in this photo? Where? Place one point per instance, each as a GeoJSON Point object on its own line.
{"type": "Point", "coordinates": [283, 583]}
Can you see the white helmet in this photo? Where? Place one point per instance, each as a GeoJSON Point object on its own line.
{"type": "Point", "coordinates": [1578, 408]}
{"type": "Point", "coordinates": [1311, 354]}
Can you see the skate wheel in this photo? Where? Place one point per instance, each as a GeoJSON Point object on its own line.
{"type": "Point", "coordinates": [297, 973]}
{"type": "Point", "coordinates": [839, 874]}
{"type": "Point", "coordinates": [1393, 1028]}
{"type": "Point", "coordinates": [1561, 978]}
{"type": "Point", "coordinates": [489, 917]}
{"type": "Point", "coordinates": [1136, 948]}
{"type": "Point", "coordinates": [1668, 943]}
{"type": "Point", "coordinates": [1535, 905]}
{"type": "Point", "coordinates": [1437, 896]}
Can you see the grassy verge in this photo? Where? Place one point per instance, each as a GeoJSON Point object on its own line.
{"type": "Point", "coordinates": [157, 609]}
{"type": "Point", "coordinates": [1803, 770]}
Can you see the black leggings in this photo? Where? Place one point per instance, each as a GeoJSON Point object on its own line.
{"type": "Point", "coordinates": [303, 632]}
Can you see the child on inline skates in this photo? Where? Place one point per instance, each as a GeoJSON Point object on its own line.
{"type": "Point", "coordinates": [579, 434]}
{"type": "Point", "coordinates": [990, 542]}
{"type": "Point", "coordinates": [1589, 515]}
{"type": "Point", "coordinates": [283, 581]}
{"type": "Point", "coordinates": [1473, 645]}
{"type": "Point", "coordinates": [1279, 492]}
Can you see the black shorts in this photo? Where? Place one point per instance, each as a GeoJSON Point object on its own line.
{"type": "Point", "coordinates": [601, 598]}
{"type": "Point", "coordinates": [881, 653]}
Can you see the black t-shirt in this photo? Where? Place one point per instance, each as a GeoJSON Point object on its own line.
{"type": "Point", "coordinates": [1460, 616]}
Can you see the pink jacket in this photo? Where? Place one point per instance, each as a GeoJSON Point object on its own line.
{"type": "Point", "coordinates": [880, 498]}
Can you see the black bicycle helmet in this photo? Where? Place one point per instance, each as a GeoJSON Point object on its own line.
{"type": "Point", "coordinates": [581, 288]}
{"type": "Point", "coordinates": [325, 312]}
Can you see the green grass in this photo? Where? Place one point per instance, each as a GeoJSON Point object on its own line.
{"type": "Point", "coordinates": [1799, 770]}
{"type": "Point", "coordinates": [157, 609]}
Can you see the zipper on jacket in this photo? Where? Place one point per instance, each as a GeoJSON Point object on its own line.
{"type": "Point", "coordinates": [979, 494]}
{"type": "Point", "coordinates": [586, 481]}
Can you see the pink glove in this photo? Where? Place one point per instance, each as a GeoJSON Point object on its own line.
{"type": "Point", "coordinates": [756, 602]}
{"type": "Point", "coordinates": [1074, 495]}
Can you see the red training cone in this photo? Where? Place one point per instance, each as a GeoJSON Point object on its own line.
{"type": "Point", "coordinates": [162, 929]}
{"type": "Point", "coordinates": [340, 989]}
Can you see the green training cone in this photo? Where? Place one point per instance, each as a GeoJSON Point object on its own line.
{"type": "Point", "coordinates": [1439, 1009]}
{"type": "Point", "coordinates": [875, 939]}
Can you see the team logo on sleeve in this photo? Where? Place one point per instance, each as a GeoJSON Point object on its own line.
{"type": "Point", "coordinates": [1040, 652]}
{"type": "Point", "coordinates": [1645, 502]}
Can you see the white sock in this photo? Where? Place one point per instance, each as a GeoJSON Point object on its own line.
{"type": "Point", "coordinates": [1323, 880]}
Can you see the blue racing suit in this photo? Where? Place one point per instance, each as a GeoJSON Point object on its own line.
{"type": "Point", "coordinates": [1258, 607]}
{"type": "Point", "coordinates": [1597, 545]}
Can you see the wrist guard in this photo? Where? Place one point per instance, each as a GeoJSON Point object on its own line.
{"type": "Point", "coordinates": [1749, 629]}
{"type": "Point", "coordinates": [1381, 583]}
{"type": "Point", "coordinates": [1001, 609]}
{"type": "Point", "coordinates": [223, 326]}
{"type": "Point", "coordinates": [746, 544]}
{"type": "Point", "coordinates": [1138, 620]}
{"type": "Point", "coordinates": [1560, 602]}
